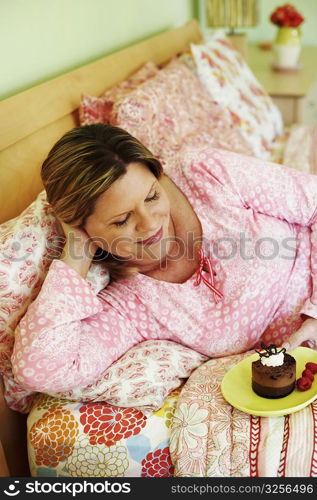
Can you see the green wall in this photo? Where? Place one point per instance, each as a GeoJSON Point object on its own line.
{"type": "Point", "coordinates": [265, 29]}
{"type": "Point", "coordinates": [41, 39]}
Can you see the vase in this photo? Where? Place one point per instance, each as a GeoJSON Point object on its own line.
{"type": "Point", "coordinates": [286, 49]}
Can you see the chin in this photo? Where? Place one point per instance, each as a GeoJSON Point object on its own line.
{"type": "Point", "coordinates": [151, 263]}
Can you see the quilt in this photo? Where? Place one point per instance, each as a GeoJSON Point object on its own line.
{"type": "Point", "coordinates": [71, 439]}
{"type": "Point", "coordinates": [210, 438]}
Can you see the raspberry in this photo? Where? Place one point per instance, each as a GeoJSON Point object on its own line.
{"type": "Point", "coordinates": [312, 367]}
{"type": "Point", "coordinates": [303, 384]}
{"type": "Point", "coordinates": [308, 374]}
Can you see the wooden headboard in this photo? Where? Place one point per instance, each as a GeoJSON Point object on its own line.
{"type": "Point", "coordinates": [31, 122]}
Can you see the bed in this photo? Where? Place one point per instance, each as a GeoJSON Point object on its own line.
{"type": "Point", "coordinates": [61, 432]}
{"type": "Point", "coordinates": [31, 122]}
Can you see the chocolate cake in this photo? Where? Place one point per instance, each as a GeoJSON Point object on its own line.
{"type": "Point", "coordinates": [274, 374]}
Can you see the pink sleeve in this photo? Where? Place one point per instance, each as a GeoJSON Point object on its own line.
{"type": "Point", "coordinates": [68, 336]}
{"type": "Point", "coordinates": [270, 189]}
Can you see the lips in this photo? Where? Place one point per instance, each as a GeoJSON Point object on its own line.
{"type": "Point", "coordinates": [154, 239]}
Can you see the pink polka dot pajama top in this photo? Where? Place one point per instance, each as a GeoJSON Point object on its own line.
{"type": "Point", "coordinates": [259, 239]}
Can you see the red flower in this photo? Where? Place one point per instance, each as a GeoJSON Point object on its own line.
{"type": "Point", "coordinates": [286, 16]}
{"type": "Point", "coordinates": [107, 424]}
{"type": "Point", "coordinates": [157, 464]}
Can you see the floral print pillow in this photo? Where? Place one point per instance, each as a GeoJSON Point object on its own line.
{"type": "Point", "coordinates": [173, 109]}
{"type": "Point", "coordinates": [143, 377]}
{"type": "Point", "coordinates": [72, 439]}
{"type": "Point", "coordinates": [231, 83]}
{"type": "Point", "coordinates": [97, 109]}
{"type": "Point", "coordinates": [28, 244]}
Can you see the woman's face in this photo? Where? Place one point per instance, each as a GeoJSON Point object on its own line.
{"type": "Point", "coordinates": [135, 208]}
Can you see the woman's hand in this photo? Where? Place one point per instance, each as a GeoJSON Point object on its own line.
{"type": "Point", "coordinates": [79, 249]}
{"type": "Point", "coordinates": [74, 234]}
{"type": "Point", "coordinates": [306, 333]}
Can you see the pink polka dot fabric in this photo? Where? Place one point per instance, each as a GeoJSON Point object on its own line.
{"type": "Point", "coordinates": [259, 232]}
{"type": "Point", "coordinates": [28, 243]}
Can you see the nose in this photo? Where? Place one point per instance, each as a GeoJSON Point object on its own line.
{"type": "Point", "coordinates": [146, 224]}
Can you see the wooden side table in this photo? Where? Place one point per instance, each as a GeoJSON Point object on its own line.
{"type": "Point", "coordinates": [288, 89]}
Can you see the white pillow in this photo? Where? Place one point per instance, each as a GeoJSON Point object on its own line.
{"type": "Point", "coordinates": [231, 83]}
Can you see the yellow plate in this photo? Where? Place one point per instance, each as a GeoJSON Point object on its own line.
{"type": "Point", "coordinates": [236, 388]}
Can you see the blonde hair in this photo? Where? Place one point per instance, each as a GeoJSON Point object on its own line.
{"type": "Point", "coordinates": [81, 166]}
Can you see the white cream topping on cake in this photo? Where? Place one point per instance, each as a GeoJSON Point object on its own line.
{"type": "Point", "coordinates": [273, 359]}
{"type": "Point", "coordinates": [271, 356]}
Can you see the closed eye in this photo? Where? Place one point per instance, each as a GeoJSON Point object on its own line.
{"type": "Point", "coordinates": [122, 223]}
{"type": "Point", "coordinates": [155, 196]}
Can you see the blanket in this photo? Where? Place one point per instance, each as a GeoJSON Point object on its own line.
{"type": "Point", "coordinates": [210, 438]}
{"type": "Point", "coordinates": [300, 148]}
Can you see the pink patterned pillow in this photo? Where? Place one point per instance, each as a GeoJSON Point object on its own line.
{"type": "Point", "coordinates": [231, 83]}
{"type": "Point", "coordinates": [300, 149]}
{"type": "Point", "coordinates": [187, 59]}
{"type": "Point", "coordinates": [97, 109]}
{"type": "Point", "coordinates": [172, 109]}
{"type": "Point", "coordinates": [28, 244]}
{"type": "Point", "coordinates": [143, 377]}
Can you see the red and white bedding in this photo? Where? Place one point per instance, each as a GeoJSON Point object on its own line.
{"type": "Point", "coordinates": [206, 436]}
{"type": "Point", "coordinates": [210, 438]}
{"type": "Point", "coordinates": [300, 150]}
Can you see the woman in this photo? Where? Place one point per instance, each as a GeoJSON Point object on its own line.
{"type": "Point", "coordinates": [215, 255]}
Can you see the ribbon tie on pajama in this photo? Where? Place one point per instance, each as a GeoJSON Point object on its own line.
{"type": "Point", "coordinates": [199, 276]}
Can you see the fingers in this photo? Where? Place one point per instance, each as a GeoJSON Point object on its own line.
{"type": "Point", "coordinates": [312, 344]}
{"type": "Point", "coordinates": [296, 339]}
{"type": "Point", "coordinates": [77, 237]}
{"type": "Point", "coordinates": [74, 232]}
{"type": "Point", "coordinates": [59, 228]}
{"type": "Point", "coordinates": [307, 333]}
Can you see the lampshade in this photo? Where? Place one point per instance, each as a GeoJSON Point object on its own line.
{"type": "Point", "coordinates": [232, 13]}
